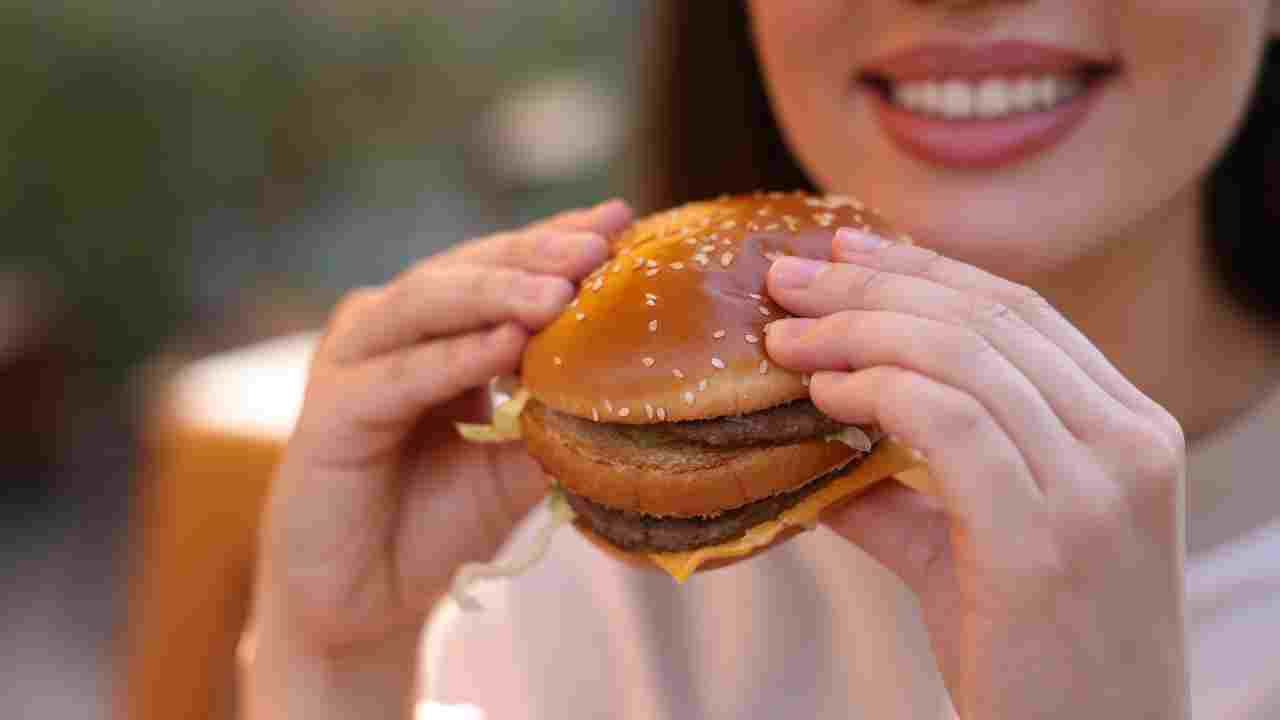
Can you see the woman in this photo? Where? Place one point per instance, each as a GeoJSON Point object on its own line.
{"type": "Point", "coordinates": [1111, 336]}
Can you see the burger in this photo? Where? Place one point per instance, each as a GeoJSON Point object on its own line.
{"type": "Point", "coordinates": [673, 438]}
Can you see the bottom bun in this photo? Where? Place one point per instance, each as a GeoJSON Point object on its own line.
{"type": "Point", "coordinates": [886, 460]}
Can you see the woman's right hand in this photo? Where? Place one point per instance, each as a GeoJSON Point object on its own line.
{"type": "Point", "coordinates": [377, 500]}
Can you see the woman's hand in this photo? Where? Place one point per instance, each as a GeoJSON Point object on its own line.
{"type": "Point", "coordinates": [378, 500]}
{"type": "Point", "coordinates": [1049, 564]}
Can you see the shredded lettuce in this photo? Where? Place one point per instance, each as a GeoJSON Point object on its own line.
{"type": "Point", "coordinates": [469, 574]}
{"type": "Point", "coordinates": [506, 422]}
{"type": "Point", "coordinates": [856, 438]}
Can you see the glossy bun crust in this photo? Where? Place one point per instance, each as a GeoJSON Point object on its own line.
{"type": "Point", "coordinates": [671, 328]}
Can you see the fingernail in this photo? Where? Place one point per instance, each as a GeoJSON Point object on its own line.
{"type": "Point", "coordinates": [796, 272]}
{"type": "Point", "coordinates": [612, 211]}
{"type": "Point", "coordinates": [789, 328]}
{"type": "Point", "coordinates": [854, 241]}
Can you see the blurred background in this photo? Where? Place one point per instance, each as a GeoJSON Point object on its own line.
{"type": "Point", "coordinates": [184, 177]}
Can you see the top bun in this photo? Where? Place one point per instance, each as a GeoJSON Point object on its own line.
{"type": "Point", "coordinates": [670, 328]}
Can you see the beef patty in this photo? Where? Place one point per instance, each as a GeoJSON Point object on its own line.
{"type": "Point", "coordinates": [648, 533]}
{"type": "Point", "coordinates": [688, 443]}
{"type": "Point", "coordinates": [793, 422]}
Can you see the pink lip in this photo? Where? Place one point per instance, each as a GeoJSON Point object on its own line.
{"type": "Point", "coordinates": [1008, 58]}
{"type": "Point", "coordinates": [977, 143]}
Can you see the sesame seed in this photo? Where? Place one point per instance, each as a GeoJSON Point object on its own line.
{"type": "Point", "coordinates": [595, 414]}
{"type": "Point", "coordinates": [677, 266]}
{"type": "Point", "coordinates": [726, 242]}
{"type": "Point", "coordinates": [651, 273]}
{"type": "Point", "coordinates": [648, 362]}
{"type": "Point", "coordinates": [650, 296]}
{"type": "Point", "coordinates": [772, 227]}
{"type": "Point", "coordinates": [623, 412]}
{"type": "Point", "coordinates": [662, 413]}
{"type": "Point", "coordinates": [608, 406]}
{"type": "Point", "coordinates": [752, 339]}
{"type": "Point", "coordinates": [701, 259]}
{"type": "Point", "coordinates": [764, 311]}
{"type": "Point", "coordinates": [702, 384]}
{"type": "Point", "coordinates": [804, 380]}
{"type": "Point", "coordinates": [718, 334]}
{"type": "Point", "coordinates": [688, 397]}
{"type": "Point", "coordinates": [691, 241]}
{"type": "Point", "coordinates": [764, 366]}
{"type": "Point", "coordinates": [582, 316]}
{"type": "Point", "coordinates": [653, 326]}
{"type": "Point", "coordinates": [639, 264]}
{"type": "Point", "coordinates": [765, 211]}
{"type": "Point", "coordinates": [651, 263]}
{"type": "Point", "coordinates": [752, 226]}
{"type": "Point", "coordinates": [648, 410]}
{"type": "Point", "coordinates": [824, 219]}
{"type": "Point", "coordinates": [677, 373]}
{"type": "Point", "coordinates": [725, 259]}
{"type": "Point", "coordinates": [650, 302]}
{"type": "Point", "coordinates": [755, 296]}
{"type": "Point", "coordinates": [599, 283]}
{"type": "Point", "coordinates": [557, 360]}
{"type": "Point", "coordinates": [707, 248]}
{"type": "Point", "coordinates": [717, 363]}
{"type": "Point", "coordinates": [728, 225]}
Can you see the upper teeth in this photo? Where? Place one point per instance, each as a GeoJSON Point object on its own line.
{"type": "Point", "coordinates": [993, 97]}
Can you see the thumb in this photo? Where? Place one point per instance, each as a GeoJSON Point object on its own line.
{"type": "Point", "coordinates": [906, 531]}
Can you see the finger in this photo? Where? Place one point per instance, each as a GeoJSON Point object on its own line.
{"type": "Point", "coordinates": [479, 508]}
{"type": "Point", "coordinates": [571, 244]}
{"type": "Point", "coordinates": [377, 399]}
{"type": "Point", "coordinates": [607, 218]}
{"type": "Point", "coordinates": [981, 476]}
{"type": "Point", "coordinates": [570, 254]}
{"type": "Point", "coordinates": [904, 530]}
{"type": "Point", "coordinates": [433, 300]}
{"type": "Point", "coordinates": [1028, 305]}
{"type": "Point", "coordinates": [947, 354]}
{"type": "Point", "coordinates": [1072, 394]}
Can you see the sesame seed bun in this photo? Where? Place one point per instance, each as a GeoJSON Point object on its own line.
{"type": "Point", "coordinates": [681, 301]}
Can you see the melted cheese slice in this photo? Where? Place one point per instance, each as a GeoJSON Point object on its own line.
{"type": "Point", "coordinates": [887, 459]}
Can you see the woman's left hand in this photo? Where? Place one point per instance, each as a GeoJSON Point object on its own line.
{"type": "Point", "coordinates": [1049, 563]}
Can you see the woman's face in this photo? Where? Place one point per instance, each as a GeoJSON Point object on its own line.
{"type": "Point", "coordinates": [1014, 134]}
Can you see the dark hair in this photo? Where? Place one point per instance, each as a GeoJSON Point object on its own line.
{"type": "Point", "coordinates": [709, 129]}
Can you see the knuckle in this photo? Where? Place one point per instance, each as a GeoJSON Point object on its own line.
{"type": "Point", "coordinates": [1141, 445]}
{"type": "Point", "coordinates": [352, 303]}
{"type": "Point", "coordinates": [989, 314]}
{"type": "Point", "coordinates": [952, 413]}
{"type": "Point", "coordinates": [1025, 301]}
{"type": "Point", "coordinates": [966, 349]}
{"type": "Point", "coordinates": [930, 263]}
{"type": "Point", "coordinates": [872, 282]}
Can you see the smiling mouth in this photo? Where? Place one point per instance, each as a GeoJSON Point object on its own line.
{"type": "Point", "coordinates": [993, 97]}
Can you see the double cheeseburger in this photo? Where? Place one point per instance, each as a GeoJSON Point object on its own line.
{"type": "Point", "coordinates": [652, 401]}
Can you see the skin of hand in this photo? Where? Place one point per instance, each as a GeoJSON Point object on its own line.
{"type": "Point", "coordinates": [1049, 561]}
{"type": "Point", "coordinates": [378, 500]}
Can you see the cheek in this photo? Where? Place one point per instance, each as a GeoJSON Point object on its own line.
{"type": "Point", "coordinates": [1195, 60]}
{"type": "Point", "coordinates": [807, 51]}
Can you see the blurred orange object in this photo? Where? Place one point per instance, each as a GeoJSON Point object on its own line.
{"type": "Point", "coordinates": [212, 443]}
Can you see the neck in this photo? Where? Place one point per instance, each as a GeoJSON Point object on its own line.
{"type": "Point", "coordinates": [1150, 303]}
